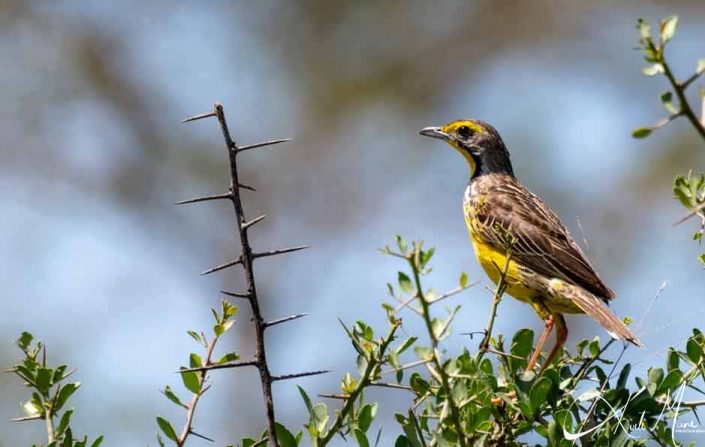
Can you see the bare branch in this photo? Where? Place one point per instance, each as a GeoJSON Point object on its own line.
{"type": "Point", "coordinates": [247, 225]}
{"type": "Point", "coordinates": [698, 209]}
{"type": "Point", "coordinates": [283, 320]}
{"type": "Point", "coordinates": [198, 117]}
{"type": "Point", "coordinates": [223, 266]}
{"type": "Point", "coordinates": [279, 252]}
{"type": "Point", "coordinates": [297, 375]}
{"type": "Point", "coordinates": [236, 294]}
{"type": "Point", "coordinates": [206, 198]}
{"type": "Point", "coordinates": [264, 143]}
{"type": "Point", "coordinates": [198, 435]}
{"type": "Point", "coordinates": [228, 365]}
{"type": "Point", "coordinates": [334, 396]}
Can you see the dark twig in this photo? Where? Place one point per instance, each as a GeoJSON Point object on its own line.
{"type": "Point", "coordinates": [284, 320]}
{"type": "Point", "coordinates": [247, 225]}
{"type": "Point", "coordinates": [280, 251]}
{"type": "Point", "coordinates": [206, 198]}
{"type": "Point", "coordinates": [246, 259]}
{"type": "Point", "coordinates": [223, 266]}
{"type": "Point", "coordinates": [227, 365]}
{"type": "Point", "coordinates": [685, 108]}
{"type": "Point", "coordinates": [264, 143]}
{"type": "Point", "coordinates": [236, 294]}
{"type": "Point", "coordinates": [297, 375]}
{"type": "Point", "coordinates": [697, 210]}
{"type": "Point", "coordinates": [247, 262]}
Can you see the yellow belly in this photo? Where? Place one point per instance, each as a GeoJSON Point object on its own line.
{"type": "Point", "coordinates": [494, 262]}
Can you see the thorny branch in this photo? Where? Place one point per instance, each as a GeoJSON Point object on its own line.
{"type": "Point", "coordinates": [246, 259]}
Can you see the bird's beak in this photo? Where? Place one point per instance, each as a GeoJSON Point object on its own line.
{"type": "Point", "coordinates": [434, 132]}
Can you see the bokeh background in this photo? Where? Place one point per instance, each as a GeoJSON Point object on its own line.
{"type": "Point", "coordinates": [96, 261]}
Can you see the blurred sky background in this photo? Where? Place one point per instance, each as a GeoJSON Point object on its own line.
{"type": "Point", "coordinates": [96, 260]}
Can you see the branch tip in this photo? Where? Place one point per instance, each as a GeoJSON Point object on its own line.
{"type": "Point", "coordinates": [206, 198]}
{"type": "Point", "coordinates": [247, 225]}
{"type": "Point", "coordinates": [262, 144]}
{"type": "Point", "coordinates": [198, 117]}
{"type": "Point", "coordinates": [284, 320]}
{"type": "Point", "coordinates": [222, 266]}
{"type": "Point", "coordinates": [280, 251]}
{"type": "Point", "coordinates": [236, 294]}
{"type": "Point", "coordinates": [297, 375]}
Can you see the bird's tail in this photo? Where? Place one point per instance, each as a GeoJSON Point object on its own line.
{"type": "Point", "coordinates": [597, 309]}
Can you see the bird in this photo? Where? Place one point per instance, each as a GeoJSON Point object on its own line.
{"type": "Point", "coordinates": [518, 238]}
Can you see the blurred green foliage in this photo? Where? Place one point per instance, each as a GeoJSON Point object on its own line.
{"type": "Point", "coordinates": [690, 189]}
{"type": "Point", "coordinates": [50, 393]}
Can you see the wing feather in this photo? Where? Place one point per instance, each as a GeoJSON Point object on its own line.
{"type": "Point", "coordinates": [510, 214]}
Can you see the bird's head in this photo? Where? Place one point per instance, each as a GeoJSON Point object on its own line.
{"type": "Point", "coordinates": [478, 142]}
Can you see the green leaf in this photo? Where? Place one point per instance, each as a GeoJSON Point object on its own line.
{"type": "Point", "coordinates": [228, 310]}
{"type": "Point", "coordinates": [228, 357]}
{"type": "Point", "coordinates": [307, 400]}
{"type": "Point", "coordinates": [522, 342]}
{"type": "Point", "coordinates": [25, 340]}
{"type": "Point", "coordinates": [405, 283]}
{"type": "Point", "coordinates": [284, 436]}
{"type": "Point", "coordinates": [642, 132]}
{"type": "Point", "coordinates": [196, 336]}
{"type": "Point", "coordinates": [195, 360]}
{"type": "Point", "coordinates": [361, 438]}
{"type": "Point", "coordinates": [401, 244]}
{"type": "Point", "coordinates": [64, 422]}
{"type": "Point", "coordinates": [403, 441]}
{"type": "Point", "coordinates": [594, 346]}
{"type": "Point", "coordinates": [682, 191]}
{"type": "Point", "coordinates": [670, 382]}
{"type": "Point", "coordinates": [98, 441]}
{"type": "Point", "coordinates": [427, 255]}
{"type": "Point", "coordinates": [463, 280]}
{"type": "Point", "coordinates": [673, 359]}
{"type": "Point", "coordinates": [191, 381]}
{"type": "Point", "coordinates": [667, 101]}
{"type": "Point", "coordinates": [64, 393]}
{"type": "Point", "coordinates": [166, 428]}
{"type": "Point", "coordinates": [624, 376]}
{"type": "Point", "coordinates": [365, 416]}
{"type": "Point", "coordinates": [172, 397]}
{"type": "Point", "coordinates": [652, 70]}
{"type": "Point", "coordinates": [44, 379]}
{"type": "Point", "coordinates": [407, 343]}
{"type": "Point", "coordinates": [655, 377]}
{"type": "Point", "coordinates": [694, 351]}
{"type": "Point", "coordinates": [539, 394]}
{"type": "Point", "coordinates": [667, 28]}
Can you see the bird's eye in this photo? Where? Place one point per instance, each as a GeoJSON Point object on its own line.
{"type": "Point", "coordinates": [464, 131]}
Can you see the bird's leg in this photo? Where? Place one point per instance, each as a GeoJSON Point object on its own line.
{"type": "Point", "coordinates": [549, 322]}
{"type": "Point", "coordinates": [561, 336]}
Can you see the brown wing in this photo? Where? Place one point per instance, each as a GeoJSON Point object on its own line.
{"type": "Point", "coordinates": [540, 240]}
